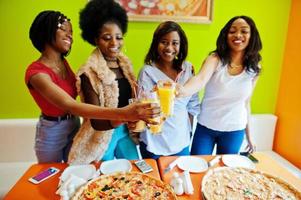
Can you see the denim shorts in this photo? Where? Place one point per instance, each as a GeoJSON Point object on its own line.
{"type": "Point", "coordinates": [54, 139]}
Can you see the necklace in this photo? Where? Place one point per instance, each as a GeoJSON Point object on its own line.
{"type": "Point", "coordinates": [112, 65]}
{"type": "Point", "coordinates": [56, 65]}
{"type": "Point", "coordinates": [232, 65]}
{"type": "Point", "coordinates": [110, 59]}
{"type": "Point", "coordinates": [57, 68]}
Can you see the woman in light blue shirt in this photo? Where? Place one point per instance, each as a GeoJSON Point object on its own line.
{"type": "Point", "coordinates": [166, 61]}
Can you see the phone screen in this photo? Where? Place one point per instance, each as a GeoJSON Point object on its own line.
{"type": "Point", "coordinates": [143, 166]}
{"type": "Point", "coordinates": [44, 174]}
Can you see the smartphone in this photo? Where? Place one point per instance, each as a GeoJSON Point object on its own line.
{"type": "Point", "coordinates": [250, 156]}
{"type": "Point", "coordinates": [143, 166]}
{"type": "Point", "coordinates": [42, 176]}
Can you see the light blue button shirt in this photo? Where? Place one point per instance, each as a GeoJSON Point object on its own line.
{"type": "Point", "coordinates": [176, 129]}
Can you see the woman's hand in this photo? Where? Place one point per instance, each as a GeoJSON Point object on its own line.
{"type": "Point", "coordinates": [179, 90]}
{"type": "Point", "coordinates": [142, 111]}
{"type": "Point", "coordinates": [250, 147]}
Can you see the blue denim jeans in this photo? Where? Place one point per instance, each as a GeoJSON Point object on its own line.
{"type": "Point", "coordinates": [146, 154]}
{"type": "Point", "coordinates": [54, 139]}
{"type": "Point", "coordinates": [121, 145]}
{"type": "Point", "coordinates": [227, 142]}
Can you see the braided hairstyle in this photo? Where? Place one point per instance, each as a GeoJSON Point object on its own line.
{"type": "Point", "coordinates": [44, 27]}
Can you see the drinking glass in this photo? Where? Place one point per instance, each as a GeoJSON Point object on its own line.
{"type": "Point", "coordinates": [140, 125]}
{"type": "Point", "coordinates": [166, 92]}
{"type": "Point", "coordinates": [152, 97]}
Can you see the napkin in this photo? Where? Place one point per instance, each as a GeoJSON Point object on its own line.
{"type": "Point", "coordinates": [68, 187]}
{"type": "Point", "coordinates": [73, 177]}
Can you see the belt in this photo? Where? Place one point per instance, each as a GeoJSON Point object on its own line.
{"type": "Point", "coordinates": [57, 119]}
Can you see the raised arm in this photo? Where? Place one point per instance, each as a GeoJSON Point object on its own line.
{"type": "Point", "coordinates": [55, 95]}
{"type": "Point", "coordinates": [199, 81]}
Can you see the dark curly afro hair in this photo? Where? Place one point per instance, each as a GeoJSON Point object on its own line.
{"type": "Point", "coordinates": [96, 14]}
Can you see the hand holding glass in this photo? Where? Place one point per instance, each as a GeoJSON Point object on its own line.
{"type": "Point", "coordinates": [152, 97]}
{"type": "Point", "coordinates": [140, 125]}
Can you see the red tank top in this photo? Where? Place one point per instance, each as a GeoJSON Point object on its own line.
{"type": "Point", "coordinates": [67, 85]}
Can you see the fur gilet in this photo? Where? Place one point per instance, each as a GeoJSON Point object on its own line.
{"type": "Point", "coordinates": [89, 144]}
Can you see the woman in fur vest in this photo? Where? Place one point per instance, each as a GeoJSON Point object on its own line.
{"type": "Point", "coordinates": [107, 80]}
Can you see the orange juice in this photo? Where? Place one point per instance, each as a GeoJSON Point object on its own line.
{"type": "Point", "coordinates": [166, 91]}
{"type": "Point", "coordinates": [154, 129]}
{"type": "Point", "coordinates": [140, 126]}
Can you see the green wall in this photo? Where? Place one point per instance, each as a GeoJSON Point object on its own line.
{"type": "Point", "coordinates": [271, 17]}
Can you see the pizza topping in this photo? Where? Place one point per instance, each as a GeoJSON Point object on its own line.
{"type": "Point", "coordinates": [240, 183]}
{"type": "Point", "coordinates": [247, 192]}
{"type": "Point", "coordinates": [105, 188]}
{"type": "Point", "coordinates": [157, 194]}
{"type": "Point", "coordinates": [130, 186]}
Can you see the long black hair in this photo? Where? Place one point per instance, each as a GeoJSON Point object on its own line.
{"type": "Point", "coordinates": [163, 29]}
{"type": "Point", "coordinates": [44, 27]}
{"type": "Point", "coordinates": [251, 57]}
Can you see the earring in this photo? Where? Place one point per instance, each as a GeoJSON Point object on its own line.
{"type": "Point", "coordinates": [176, 58]}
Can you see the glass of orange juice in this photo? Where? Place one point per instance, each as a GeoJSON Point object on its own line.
{"type": "Point", "coordinates": [140, 125]}
{"type": "Point", "coordinates": [152, 97]}
{"type": "Point", "coordinates": [166, 92]}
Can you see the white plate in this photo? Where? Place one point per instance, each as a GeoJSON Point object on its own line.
{"type": "Point", "coordinates": [85, 172]}
{"type": "Point", "coordinates": [237, 161]}
{"type": "Point", "coordinates": [192, 164]}
{"type": "Point", "coordinates": [118, 165]}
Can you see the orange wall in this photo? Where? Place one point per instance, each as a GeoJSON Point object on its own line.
{"type": "Point", "coordinates": [288, 131]}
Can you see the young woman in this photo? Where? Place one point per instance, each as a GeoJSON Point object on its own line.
{"type": "Point", "coordinates": [229, 73]}
{"type": "Point", "coordinates": [105, 80]}
{"type": "Point", "coordinates": [165, 60]}
{"type": "Point", "coordinates": [51, 82]}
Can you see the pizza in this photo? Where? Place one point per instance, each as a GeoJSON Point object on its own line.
{"type": "Point", "coordinates": [242, 183]}
{"type": "Point", "coordinates": [131, 186]}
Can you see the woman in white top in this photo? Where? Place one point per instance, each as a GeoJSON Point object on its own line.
{"type": "Point", "coordinates": [229, 76]}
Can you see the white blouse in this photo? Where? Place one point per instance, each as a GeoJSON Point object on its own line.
{"type": "Point", "coordinates": [223, 107]}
